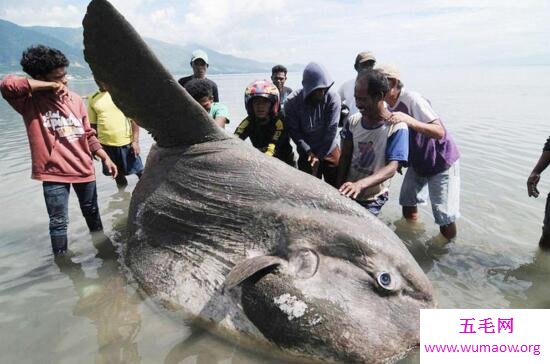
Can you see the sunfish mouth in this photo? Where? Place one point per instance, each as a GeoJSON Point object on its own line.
{"type": "Point", "coordinates": [310, 328]}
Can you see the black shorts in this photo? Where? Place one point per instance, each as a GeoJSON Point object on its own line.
{"type": "Point", "coordinates": [125, 160]}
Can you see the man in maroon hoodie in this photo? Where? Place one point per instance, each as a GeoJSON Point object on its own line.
{"type": "Point", "coordinates": [61, 140]}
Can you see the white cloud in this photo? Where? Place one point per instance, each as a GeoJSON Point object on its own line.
{"type": "Point", "coordinates": [163, 16]}
{"type": "Point", "coordinates": [421, 32]}
{"type": "Point", "coordinates": [42, 13]}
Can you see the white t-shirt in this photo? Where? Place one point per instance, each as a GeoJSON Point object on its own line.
{"type": "Point", "coordinates": [347, 94]}
{"type": "Point", "coordinates": [373, 149]}
{"type": "Point", "coordinates": [415, 105]}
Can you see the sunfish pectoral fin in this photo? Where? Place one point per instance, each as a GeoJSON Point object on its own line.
{"type": "Point", "coordinates": [249, 267]}
{"type": "Point", "coordinates": [138, 83]}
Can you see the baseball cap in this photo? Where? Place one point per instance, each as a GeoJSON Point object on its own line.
{"type": "Point", "coordinates": [199, 54]}
{"type": "Point", "coordinates": [364, 57]}
{"type": "Point", "coordinates": [389, 70]}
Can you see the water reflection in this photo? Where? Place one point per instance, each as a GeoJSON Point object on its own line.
{"type": "Point", "coordinates": [492, 265]}
{"type": "Point", "coordinates": [105, 301]}
{"type": "Point", "coordinates": [203, 348]}
{"type": "Point", "coordinates": [118, 204]}
{"type": "Point", "coordinates": [424, 248]}
{"type": "Point", "coordinates": [535, 274]}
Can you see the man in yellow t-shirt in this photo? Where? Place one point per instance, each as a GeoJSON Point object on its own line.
{"type": "Point", "coordinates": [118, 135]}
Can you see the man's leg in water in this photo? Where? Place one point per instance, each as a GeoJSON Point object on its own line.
{"type": "Point", "coordinates": [444, 190]}
{"type": "Point", "coordinates": [544, 241]}
{"type": "Point", "coordinates": [87, 197]}
{"type": "Point", "coordinates": [56, 196]}
{"type": "Point", "coordinates": [414, 192]}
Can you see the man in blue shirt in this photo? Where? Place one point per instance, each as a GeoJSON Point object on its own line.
{"type": "Point", "coordinates": [372, 149]}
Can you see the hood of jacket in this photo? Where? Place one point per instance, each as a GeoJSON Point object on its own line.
{"type": "Point", "coordinates": [315, 76]}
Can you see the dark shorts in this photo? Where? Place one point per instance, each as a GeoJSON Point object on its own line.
{"type": "Point", "coordinates": [374, 206]}
{"type": "Point", "coordinates": [125, 160]}
{"type": "Point", "coordinates": [547, 214]}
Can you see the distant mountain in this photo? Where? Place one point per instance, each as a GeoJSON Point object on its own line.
{"type": "Point", "coordinates": [15, 39]}
{"type": "Point", "coordinates": [176, 58]}
{"type": "Point", "coordinates": [71, 36]}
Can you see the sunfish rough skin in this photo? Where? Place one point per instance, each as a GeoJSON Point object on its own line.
{"type": "Point", "coordinates": [248, 247]}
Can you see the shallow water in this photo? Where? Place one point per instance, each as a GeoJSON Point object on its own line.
{"type": "Point", "coordinates": [89, 311]}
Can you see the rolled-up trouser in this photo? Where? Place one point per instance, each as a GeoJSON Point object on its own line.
{"type": "Point", "coordinates": [443, 190]}
{"type": "Point", "coordinates": [374, 206]}
{"type": "Point", "coordinates": [56, 196]}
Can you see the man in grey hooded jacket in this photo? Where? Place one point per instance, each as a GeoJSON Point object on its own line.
{"type": "Point", "coordinates": [312, 115]}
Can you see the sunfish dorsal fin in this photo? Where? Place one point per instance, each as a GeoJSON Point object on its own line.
{"type": "Point", "coordinates": [138, 83]}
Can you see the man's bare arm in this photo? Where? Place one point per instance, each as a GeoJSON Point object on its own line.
{"type": "Point", "coordinates": [57, 87]}
{"type": "Point", "coordinates": [345, 161]}
{"type": "Point", "coordinates": [221, 121]}
{"type": "Point", "coordinates": [135, 137]}
{"type": "Point", "coordinates": [353, 189]}
{"type": "Point", "coordinates": [534, 177]}
{"type": "Point", "coordinates": [433, 129]}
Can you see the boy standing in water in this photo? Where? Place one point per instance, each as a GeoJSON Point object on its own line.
{"type": "Point", "coordinates": [262, 125]}
{"type": "Point", "coordinates": [532, 190]}
{"type": "Point", "coordinates": [61, 140]}
{"type": "Point", "coordinates": [118, 135]}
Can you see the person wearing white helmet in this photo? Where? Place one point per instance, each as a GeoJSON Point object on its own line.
{"type": "Point", "coordinates": [263, 125]}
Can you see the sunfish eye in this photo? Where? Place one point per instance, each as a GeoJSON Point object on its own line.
{"type": "Point", "coordinates": [384, 280]}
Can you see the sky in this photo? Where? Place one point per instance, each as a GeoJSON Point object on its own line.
{"type": "Point", "coordinates": [413, 33]}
